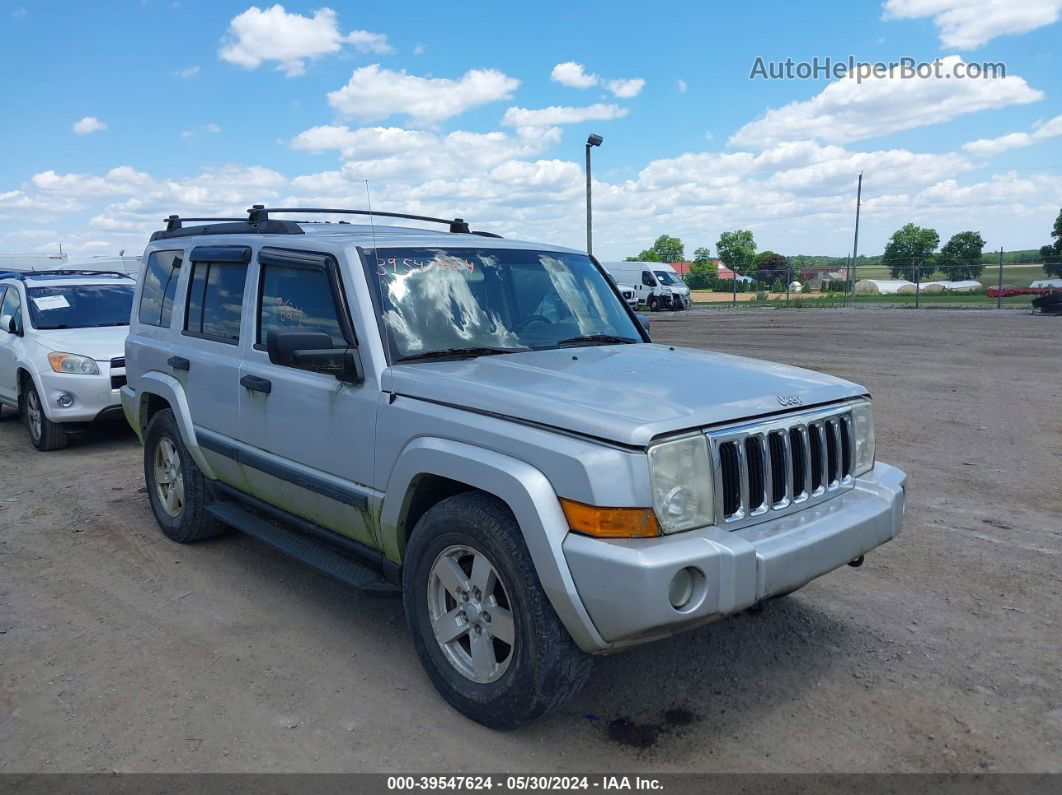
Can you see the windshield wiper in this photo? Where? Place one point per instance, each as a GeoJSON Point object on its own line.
{"type": "Point", "coordinates": [456, 353]}
{"type": "Point", "coordinates": [596, 339]}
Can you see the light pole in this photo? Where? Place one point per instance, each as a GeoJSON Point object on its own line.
{"type": "Point", "coordinates": [593, 140]}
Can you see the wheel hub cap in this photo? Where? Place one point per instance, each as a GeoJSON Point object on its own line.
{"type": "Point", "coordinates": [169, 479]}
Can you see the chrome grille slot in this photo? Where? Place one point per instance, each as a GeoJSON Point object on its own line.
{"type": "Point", "coordinates": [833, 452]}
{"type": "Point", "coordinates": [731, 475]}
{"type": "Point", "coordinates": [781, 465]}
{"type": "Point", "coordinates": [847, 442]}
{"type": "Point", "coordinates": [778, 444]}
{"type": "Point", "coordinates": [817, 457]}
{"type": "Point", "coordinates": [757, 481]}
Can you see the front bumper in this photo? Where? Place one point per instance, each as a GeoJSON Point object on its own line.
{"type": "Point", "coordinates": [94, 396]}
{"type": "Point", "coordinates": [624, 583]}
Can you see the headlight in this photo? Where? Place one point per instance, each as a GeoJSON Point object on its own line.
{"type": "Point", "coordinates": [681, 476]}
{"type": "Point", "coordinates": [72, 363]}
{"type": "Point", "coordinates": [863, 429]}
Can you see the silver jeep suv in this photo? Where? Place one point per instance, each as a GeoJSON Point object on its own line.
{"type": "Point", "coordinates": [484, 427]}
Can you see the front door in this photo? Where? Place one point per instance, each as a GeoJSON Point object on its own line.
{"type": "Point", "coordinates": [311, 435]}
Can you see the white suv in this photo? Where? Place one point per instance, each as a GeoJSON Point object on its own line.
{"type": "Point", "coordinates": [62, 346]}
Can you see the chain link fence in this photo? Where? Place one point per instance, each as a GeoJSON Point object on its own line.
{"type": "Point", "coordinates": [915, 285]}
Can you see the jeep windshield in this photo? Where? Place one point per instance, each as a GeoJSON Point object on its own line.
{"type": "Point", "coordinates": [80, 306]}
{"type": "Point", "coordinates": [438, 303]}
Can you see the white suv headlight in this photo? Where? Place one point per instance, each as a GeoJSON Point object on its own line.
{"type": "Point", "coordinates": [72, 363]}
{"type": "Point", "coordinates": [681, 475]}
{"type": "Point", "coordinates": [863, 430]}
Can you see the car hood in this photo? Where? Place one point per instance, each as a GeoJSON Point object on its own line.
{"type": "Point", "coordinates": [624, 393]}
{"type": "Point", "coordinates": [101, 344]}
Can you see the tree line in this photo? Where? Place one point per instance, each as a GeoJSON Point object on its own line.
{"type": "Point", "coordinates": [911, 254]}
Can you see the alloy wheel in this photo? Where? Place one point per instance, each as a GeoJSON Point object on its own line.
{"type": "Point", "coordinates": [169, 479]}
{"type": "Point", "coordinates": [471, 614]}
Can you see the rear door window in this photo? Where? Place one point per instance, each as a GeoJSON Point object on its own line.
{"type": "Point", "coordinates": [215, 300]}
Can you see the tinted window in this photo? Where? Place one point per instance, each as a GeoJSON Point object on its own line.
{"type": "Point", "coordinates": [160, 286]}
{"type": "Point", "coordinates": [84, 306]}
{"type": "Point", "coordinates": [647, 279]}
{"type": "Point", "coordinates": [215, 299]}
{"type": "Point", "coordinates": [12, 305]}
{"type": "Point", "coordinates": [298, 299]}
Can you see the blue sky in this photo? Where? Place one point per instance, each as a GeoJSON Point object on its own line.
{"type": "Point", "coordinates": [117, 113]}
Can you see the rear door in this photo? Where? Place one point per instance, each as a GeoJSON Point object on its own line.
{"type": "Point", "coordinates": [312, 435]}
{"type": "Point", "coordinates": [206, 354]}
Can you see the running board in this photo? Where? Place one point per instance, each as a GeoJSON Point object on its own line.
{"type": "Point", "coordinates": [301, 547]}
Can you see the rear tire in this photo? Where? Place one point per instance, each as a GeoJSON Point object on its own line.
{"type": "Point", "coordinates": [175, 484]}
{"type": "Point", "coordinates": [44, 434]}
{"type": "Point", "coordinates": [532, 664]}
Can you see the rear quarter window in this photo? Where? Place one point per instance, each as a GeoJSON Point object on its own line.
{"type": "Point", "coordinates": [160, 286]}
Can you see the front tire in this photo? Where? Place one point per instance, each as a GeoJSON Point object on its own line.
{"type": "Point", "coordinates": [653, 303]}
{"type": "Point", "coordinates": [44, 434]}
{"type": "Point", "coordinates": [175, 484]}
{"type": "Point", "coordinates": [482, 626]}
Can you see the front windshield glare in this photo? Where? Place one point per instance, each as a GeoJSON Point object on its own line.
{"type": "Point", "coordinates": [85, 306]}
{"type": "Point", "coordinates": [666, 278]}
{"type": "Point", "coordinates": [496, 300]}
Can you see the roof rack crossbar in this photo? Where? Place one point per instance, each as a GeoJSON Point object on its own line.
{"type": "Point", "coordinates": [259, 213]}
{"type": "Point", "coordinates": [175, 221]}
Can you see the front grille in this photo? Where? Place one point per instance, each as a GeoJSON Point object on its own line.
{"type": "Point", "coordinates": [118, 362]}
{"type": "Point", "coordinates": [783, 464]}
{"type": "Point", "coordinates": [117, 381]}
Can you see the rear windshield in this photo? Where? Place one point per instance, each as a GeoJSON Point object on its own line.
{"type": "Point", "coordinates": [80, 306]}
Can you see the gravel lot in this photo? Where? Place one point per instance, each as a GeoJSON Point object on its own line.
{"type": "Point", "coordinates": [122, 651]}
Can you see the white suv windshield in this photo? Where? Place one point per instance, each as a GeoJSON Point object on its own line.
{"type": "Point", "coordinates": [437, 302]}
{"type": "Point", "coordinates": [80, 306]}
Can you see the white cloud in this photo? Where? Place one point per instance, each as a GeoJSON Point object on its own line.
{"type": "Point", "coordinates": [560, 114]}
{"type": "Point", "coordinates": [373, 93]}
{"type": "Point", "coordinates": [993, 146]}
{"type": "Point", "coordinates": [680, 84]}
{"type": "Point", "coordinates": [847, 110]}
{"type": "Point", "coordinates": [190, 72]}
{"type": "Point", "coordinates": [88, 125]}
{"type": "Point", "coordinates": [573, 75]}
{"type": "Point", "coordinates": [625, 89]}
{"type": "Point", "coordinates": [211, 127]}
{"type": "Point", "coordinates": [272, 34]}
{"type": "Point", "coordinates": [966, 24]}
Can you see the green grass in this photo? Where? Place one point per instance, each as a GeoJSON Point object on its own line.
{"type": "Point", "coordinates": [1015, 275]}
{"type": "Point", "coordinates": [928, 300]}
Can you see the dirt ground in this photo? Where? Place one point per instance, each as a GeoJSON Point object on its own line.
{"type": "Point", "coordinates": [120, 650]}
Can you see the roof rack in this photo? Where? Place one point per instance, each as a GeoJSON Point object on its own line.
{"type": "Point", "coordinates": [258, 213]}
{"type": "Point", "coordinates": [23, 275]}
{"type": "Point", "coordinates": [259, 222]}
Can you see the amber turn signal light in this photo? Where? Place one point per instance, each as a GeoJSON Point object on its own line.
{"type": "Point", "coordinates": [610, 522]}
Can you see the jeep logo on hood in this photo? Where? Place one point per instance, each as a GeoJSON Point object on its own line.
{"type": "Point", "coordinates": [789, 400]}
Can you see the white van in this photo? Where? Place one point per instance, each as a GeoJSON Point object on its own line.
{"type": "Point", "coordinates": [656, 284]}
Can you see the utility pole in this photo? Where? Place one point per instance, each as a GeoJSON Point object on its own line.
{"type": "Point", "coordinates": [999, 291]}
{"type": "Point", "coordinates": [591, 141]}
{"type": "Point", "coordinates": [855, 243]}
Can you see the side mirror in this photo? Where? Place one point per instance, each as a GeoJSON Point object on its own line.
{"type": "Point", "coordinates": [7, 323]}
{"type": "Point", "coordinates": [644, 320]}
{"type": "Point", "coordinates": [312, 350]}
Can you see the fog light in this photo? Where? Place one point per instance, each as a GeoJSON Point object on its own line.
{"type": "Point", "coordinates": [65, 400]}
{"type": "Point", "coordinates": [681, 590]}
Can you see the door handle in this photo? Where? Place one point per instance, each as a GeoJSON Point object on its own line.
{"type": "Point", "coordinates": [178, 363]}
{"type": "Point", "coordinates": [257, 384]}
